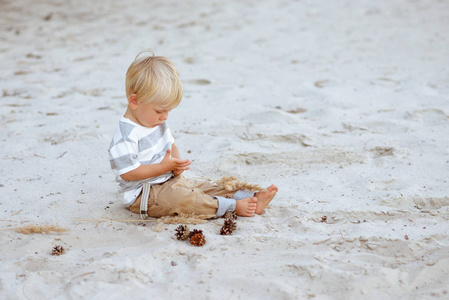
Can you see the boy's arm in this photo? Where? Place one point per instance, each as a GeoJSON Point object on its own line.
{"type": "Point", "coordinates": [175, 151]}
{"type": "Point", "coordinates": [168, 164]}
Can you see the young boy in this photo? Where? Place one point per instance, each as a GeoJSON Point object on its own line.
{"type": "Point", "coordinates": [147, 163]}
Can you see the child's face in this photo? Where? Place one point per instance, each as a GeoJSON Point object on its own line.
{"type": "Point", "coordinates": [150, 114]}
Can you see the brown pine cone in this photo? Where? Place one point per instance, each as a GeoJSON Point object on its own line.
{"type": "Point", "coordinates": [198, 239]}
{"type": "Point", "coordinates": [182, 232]}
{"type": "Point", "coordinates": [225, 230]}
{"type": "Point", "coordinates": [231, 224]}
{"type": "Point", "coordinates": [195, 231]}
{"type": "Point", "coordinates": [58, 250]}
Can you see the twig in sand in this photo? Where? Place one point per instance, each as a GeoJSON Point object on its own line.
{"type": "Point", "coordinates": [39, 229]}
{"type": "Point", "coordinates": [322, 242]}
{"type": "Point", "coordinates": [82, 275]}
{"type": "Point", "coordinates": [115, 220]}
{"type": "Point", "coordinates": [185, 219]}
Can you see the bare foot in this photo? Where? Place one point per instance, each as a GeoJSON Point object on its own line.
{"type": "Point", "coordinates": [246, 207]}
{"type": "Point", "coordinates": [265, 197]}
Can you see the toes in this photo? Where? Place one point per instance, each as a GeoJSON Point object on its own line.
{"type": "Point", "coordinates": [252, 200]}
{"type": "Point", "coordinates": [251, 209]}
{"type": "Point", "coordinates": [272, 188]}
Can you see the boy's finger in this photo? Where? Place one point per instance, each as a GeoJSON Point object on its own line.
{"type": "Point", "coordinates": [182, 169]}
{"type": "Point", "coordinates": [178, 166]}
{"type": "Point", "coordinates": [183, 161]}
{"type": "Point", "coordinates": [181, 166]}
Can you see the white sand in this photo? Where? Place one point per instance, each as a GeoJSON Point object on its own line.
{"type": "Point", "coordinates": [342, 104]}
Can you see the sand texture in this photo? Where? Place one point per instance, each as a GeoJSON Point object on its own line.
{"type": "Point", "coordinates": [344, 105]}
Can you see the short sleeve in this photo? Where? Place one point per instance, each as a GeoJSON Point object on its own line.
{"type": "Point", "coordinates": [123, 151]}
{"type": "Point", "coordinates": [123, 157]}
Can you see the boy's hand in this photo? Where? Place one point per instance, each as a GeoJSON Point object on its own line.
{"type": "Point", "coordinates": [176, 165]}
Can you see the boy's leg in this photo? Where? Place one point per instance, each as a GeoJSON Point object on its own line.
{"type": "Point", "coordinates": [135, 207]}
{"type": "Point", "coordinates": [263, 197]}
{"type": "Point", "coordinates": [214, 190]}
{"type": "Point", "coordinates": [227, 200]}
{"type": "Point", "coordinates": [176, 197]}
{"type": "Point", "coordinates": [209, 188]}
{"type": "Point", "coordinates": [191, 196]}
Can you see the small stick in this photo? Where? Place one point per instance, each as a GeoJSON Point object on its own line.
{"type": "Point", "coordinates": [85, 274]}
{"type": "Point", "coordinates": [116, 220]}
{"type": "Point", "coordinates": [321, 242]}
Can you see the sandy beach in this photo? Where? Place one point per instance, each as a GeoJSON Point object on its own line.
{"type": "Point", "coordinates": [344, 105]}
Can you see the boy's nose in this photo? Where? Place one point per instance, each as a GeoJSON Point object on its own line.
{"type": "Point", "coordinates": [164, 116]}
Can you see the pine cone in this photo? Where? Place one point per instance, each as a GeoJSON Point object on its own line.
{"type": "Point", "coordinates": [182, 232]}
{"type": "Point", "coordinates": [231, 224]}
{"type": "Point", "coordinates": [225, 230]}
{"type": "Point", "coordinates": [198, 239]}
{"type": "Point", "coordinates": [228, 227]}
{"type": "Point", "coordinates": [195, 231]}
{"type": "Point", "coordinates": [230, 215]}
{"type": "Point", "coordinates": [58, 250]}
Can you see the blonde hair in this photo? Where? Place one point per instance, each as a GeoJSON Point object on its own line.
{"type": "Point", "coordinates": [154, 79]}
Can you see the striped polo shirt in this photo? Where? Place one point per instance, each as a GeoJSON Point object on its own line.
{"type": "Point", "coordinates": [134, 145]}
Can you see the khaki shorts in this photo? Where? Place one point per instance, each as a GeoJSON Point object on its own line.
{"type": "Point", "coordinates": [180, 195]}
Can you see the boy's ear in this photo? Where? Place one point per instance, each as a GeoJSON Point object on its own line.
{"type": "Point", "coordinates": [132, 100]}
